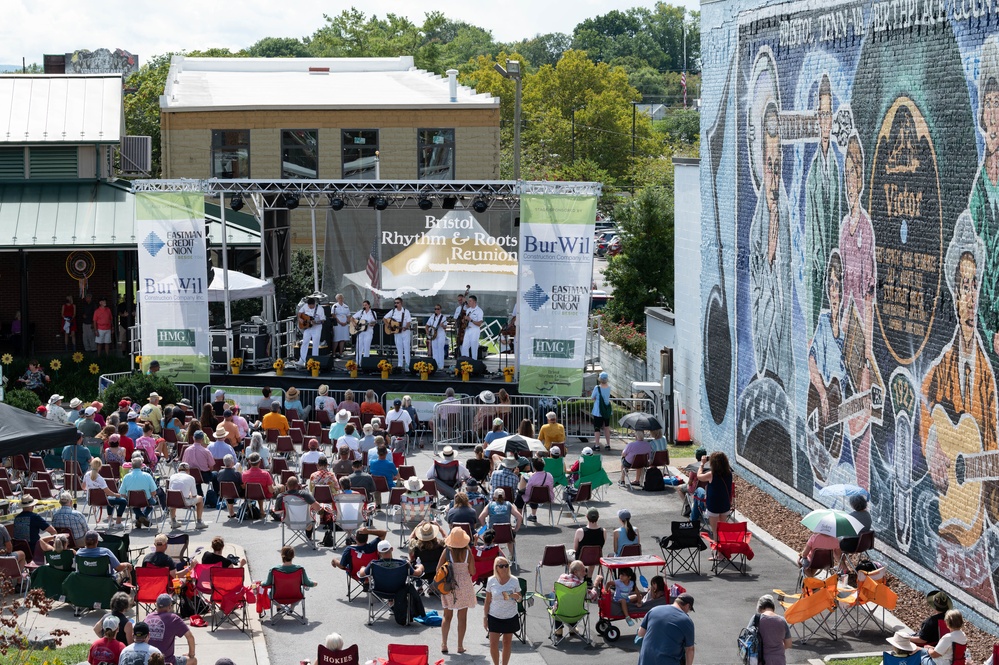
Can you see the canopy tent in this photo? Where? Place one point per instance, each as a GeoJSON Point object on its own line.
{"type": "Point", "coordinates": [241, 287]}
{"type": "Point", "coordinates": [22, 432]}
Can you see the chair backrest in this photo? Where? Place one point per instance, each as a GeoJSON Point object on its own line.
{"type": "Point", "coordinates": [291, 414]}
{"type": "Point", "coordinates": [297, 424]}
{"type": "Point", "coordinates": [225, 580]}
{"type": "Point", "coordinates": [732, 532]}
{"type": "Point", "coordinates": [381, 483]}
{"type": "Point", "coordinates": [571, 601]}
{"type": "Point", "coordinates": [504, 533]}
{"type": "Point", "coordinates": [272, 435]}
{"type": "Point", "coordinates": [415, 509]}
{"type": "Point", "coordinates": [346, 656]}
{"type": "Point", "coordinates": [151, 582]}
{"type": "Point", "coordinates": [137, 499]}
{"type": "Point", "coordinates": [177, 546]}
{"type": "Point", "coordinates": [484, 561]}
{"type": "Point", "coordinates": [255, 492]}
{"type": "Point", "coordinates": [296, 512]}
{"type": "Point", "coordinates": [821, 559]}
{"type": "Point", "coordinates": [556, 467]}
{"type": "Point", "coordinates": [175, 499]}
{"type": "Point", "coordinates": [660, 458]}
{"type": "Point", "coordinates": [685, 535]}
{"type": "Point", "coordinates": [93, 566]}
{"type": "Point", "coordinates": [202, 576]}
{"type": "Point", "coordinates": [297, 436]}
{"type": "Point", "coordinates": [539, 494]}
{"type": "Point", "coordinates": [9, 567]}
{"type": "Point", "coordinates": [809, 606]}
{"type": "Point", "coordinates": [914, 659]}
{"type": "Point", "coordinates": [228, 490]}
{"type": "Point", "coordinates": [635, 549]}
{"type": "Point", "coordinates": [61, 560]}
{"type": "Point", "coordinates": [446, 472]}
{"type": "Point", "coordinates": [32, 492]}
{"type": "Point", "coordinates": [359, 559]}
{"type": "Point", "coordinates": [960, 657]}
{"type": "Point", "coordinates": [287, 586]}
{"type": "Point", "coordinates": [196, 474]}
{"type": "Point", "coordinates": [584, 493]}
{"type": "Point", "coordinates": [323, 493]}
{"type": "Point", "coordinates": [406, 472]}
{"type": "Point", "coordinates": [555, 555]}
{"type": "Point", "coordinates": [397, 428]}
{"type": "Point", "coordinates": [70, 540]}
{"type": "Point", "coordinates": [408, 654]}
{"type": "Point", "coordinates": [285, 475]}
{"type": "Point", "coordinates": [865, 542]}
{"type": "Point", "coordinates": [278, 464]}
{"type": "Point", "coordinates": [309, 468]}
{"type": "Point", "coordinates": [170, 434]}
{"type": "Point", "coordinates": [589, 464]}
{"type": "Point", "coordinates": [349, 510]}
{"type": "Point", "coordinates": [324, 417]}
{"type": "Point", "coordinates": [590, 554]}
{"type": "Point", "coordinates": [284, 445]}
{"type": "Point", "coordinates": [388, 576]}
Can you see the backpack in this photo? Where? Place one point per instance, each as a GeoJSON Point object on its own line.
{"type": "Point", "coordinates": [750, 644]}
{"type": "Point", "coordinates": [211, 499]}
{"type": "Point", "coordinates": [444, 579]}
{"type": "Point", "coordinates": [653, 481]}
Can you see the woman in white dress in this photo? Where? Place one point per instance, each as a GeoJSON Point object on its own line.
{"type": "Point", "coordinates": [341, 329]}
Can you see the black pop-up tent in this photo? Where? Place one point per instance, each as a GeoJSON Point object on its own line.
{"type": "Point", "coordinates": [22, 432]}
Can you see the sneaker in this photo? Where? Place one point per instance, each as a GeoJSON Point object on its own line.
{"type": "Point", "coordinates": [174, 524]}
{"type": "Point", "coordinates": [629, 621]}
{"type": "Point", "coordinates": [558, 633]}
{"type": "Point", "coordinates": [200, 525]}
{"type": "Point", "coordinates": [532, 518]}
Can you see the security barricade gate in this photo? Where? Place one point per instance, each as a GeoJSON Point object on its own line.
{"type": "Point", "coordinates": [463, 423]}
{"type": "Point", "coordinates": [577, 415]}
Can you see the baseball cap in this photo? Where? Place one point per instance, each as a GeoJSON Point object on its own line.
{"type": "Point", "coordinates": [587, 451]}
{"type": "Point", "coordinates": [624, 514]}
{"type": "Point", "coordinates": [123, 403]}
{"type": "Point", "coordinates": [89, 411]}
{"type": "Point", "coordinates": [164, 600]}
{"type": "Point", "coordinates": [219, 393]}
{"type": "Point", "coordinates": [140, 628]}
{"type": "Point", "coordinates": [132, 415]}
{"type": "Point", "coordinates": [110, 622]}
{"type": "Point", "coordinates": [687, 600]}
{"type": "Point", "coordinates": [199, 434]}
{"type": "Point", "coordinates": [497, 421]}
{"type": "Point", "coordinates": [556, 451]}
{"type": "Point", "coordinates": [397, 402]}
{"type": "Point", "coordinates": [603, 376]}
{"type": "Point", "coordinates": [384, 546]}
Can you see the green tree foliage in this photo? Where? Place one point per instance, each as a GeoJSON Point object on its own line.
{"type": "Point", "coordinates": [352, 34]}
{"type": "Point", "coordinates": [681, 127]}
{"type": "Point", "coordinates": [642, 275]}
{"type": "Point", "coordinates": [22, 399]}
{"type": "Point", "coordinates": [544, 49]}
{"type": "Point", "coordinates": [294, 286]}
{"type": "Point", "coordinates": [655, 36]}
{"type": "Point", "coordinates": [137, 386]}
{"type": "Point", "coordinates": [279, 47]}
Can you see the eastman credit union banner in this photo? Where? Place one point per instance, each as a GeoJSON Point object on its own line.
{"type": "Point", "coordinates": [173, 283]}
{"type": "Point", "coordinates": [556, 270]}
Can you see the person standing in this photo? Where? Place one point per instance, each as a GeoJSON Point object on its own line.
{"type": "Point", "coordinates": [436, 325]}
{"type": "Point", "coordinates": [470, 342]}
{"type": "Point", "coordinates": [462, 596]}
{"type": "Point", "coordinates": [718, 479]}
{"type": "Point", "coordinates": [362, 345]}
{"type": "Point", "coordinates": [103, 321]}
{"type": "Point", "coordinates": [667, 634]}
{"type": "Point", "coordinates": [341, 331]}
{"type": "Point", "coordinates": [86, 312]}
{"type": "Point", "coordinates": [69, 324]}
{"type": "Point", "coordinates": [165, 627]}
{"type": "Point", "coordinates": [601, 411]}
{"type": "Point", "coordinates": [311, 315]}
{"type": "Point", "coordinates": [500, 609]}
{"type": "Point", "coordinates": [402, 321]}
{"type": "Point", "coordinates": [775, 634]}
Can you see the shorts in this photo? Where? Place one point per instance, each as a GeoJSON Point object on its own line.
{"type": "Point", "coordinates": [599, 423]}
{"type": "Point", "coordinates": [192, 501]}
{"type": "Point", "coordinates": [708, 513]}
{"type": "Point", "coordinates": [503, 626]}
{"type": "Point", "coordinates": [625, 463]}
{"type": "Point", "coordinates": [103, 336]}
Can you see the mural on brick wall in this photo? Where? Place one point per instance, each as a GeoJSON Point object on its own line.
{"type": "Point", "coordinates": [859, 342]}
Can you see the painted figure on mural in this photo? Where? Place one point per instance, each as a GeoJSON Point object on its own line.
{"type": "Point", "coordinates": [770, 263]}
{"type": "Point", "coordinates": [822, 206]}
{"type": "Point", "coordinates": [958, 420]}
{"type": "Point", "coordinates": [984, 201]}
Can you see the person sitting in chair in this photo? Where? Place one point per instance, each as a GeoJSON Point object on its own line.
{"type": "Point", "coordinates": [91, 550]}
{"type": "Point", "coordinates": [287, 556]}
{"type": "Point", "coordinates": [405, 597]}
{"type": "Point", "coordinates": [294, 488]}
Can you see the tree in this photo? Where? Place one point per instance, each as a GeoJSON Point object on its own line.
{"type": "Point", "coordinates": [294, 286]}
{"type": "Point", "coordinates": [642, 275]}
{"type": "Point", "coordinates": [278, 47]}
{"type": "Point", "coordinates": [544, 49]}
{"type": "Point", "coordinates": [351, 34]}
{"type": "Point", "coordinates": [680, 127]}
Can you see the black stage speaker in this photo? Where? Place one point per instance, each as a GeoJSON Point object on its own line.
{"type": "Point", "coordinates": [256, 343]}
{"type": "Point", "coordinates": [478, 367]}
{"type": "Point", "coordinates": [369, 365]}
{"type": "Point", "coordinates": [426, 359]}
{"type": "Point", "coordinates": [219, 350]}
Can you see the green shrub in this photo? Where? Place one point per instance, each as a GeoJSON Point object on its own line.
{"type": "Point", "coordinates": [138, 386]}
{"type": "Point", "coordinates": [22, 398]}
{"type": "Point", "coordinates": [625, 334]}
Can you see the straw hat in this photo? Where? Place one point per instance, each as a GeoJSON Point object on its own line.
{"type": "Point", "coordinates": [75, 403]}
{"type": "Point", "coordinates": [447, 452]}
{"type": "Point", "coordinates": [323, 389]}
{"type": "Point", "coordinates": [220, 432]}
{"type": "Point", "coordinates": [900, 640]}
{"type": "Point", "coordinates": [510, 462]}
{"type": "Point", "coordinates": [458, 539]}
{"type": "Point", "coordinates": [426, 532]}
{"type": "Point", "coordinates": [292, 393]}
{"type": "Point", "coordinates": [487, 397]}
{"type": "Point", "coordinates": [413, 484]}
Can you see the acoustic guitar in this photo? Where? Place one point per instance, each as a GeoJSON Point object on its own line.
{"type": "Point", "coordinates": [356, 326]}
{"type": "Point", "coordinates": [961, 506]}
{"type": "Point", "coordinates": [392, 327]}
{"type": "Point", "coordinates": [461, 324]}
{"type": "Point", "coordinates": [829, 429]}
{"type": "Point", "coordinates": [304, 321]}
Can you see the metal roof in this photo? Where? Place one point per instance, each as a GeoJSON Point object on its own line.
{"type": "Point", "coordinates": [91, 214]}
{"type": "Point", "coordinates": [217, 84]}
{"type": "Point", "coordinates": [40, 108]}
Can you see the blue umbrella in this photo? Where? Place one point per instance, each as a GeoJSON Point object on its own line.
{"type": "Point", "coordinates": [844, 491]}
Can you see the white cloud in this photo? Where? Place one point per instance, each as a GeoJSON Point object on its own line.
{"type": "Point", "coordinates": [149, 28]}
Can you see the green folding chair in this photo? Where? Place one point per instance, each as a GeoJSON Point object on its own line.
{"type": "Point", "coordinates": [591, 471]}
{"type": "Point", "coordinates": [50, 577]}
{"type": "Point", "coordinates": [568, 608]}
{"type": "Point", "coordinates": [91, 586]}
{"type": "Point", "coordinates": [556, 467]}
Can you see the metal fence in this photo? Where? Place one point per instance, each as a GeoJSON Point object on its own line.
{"type": "Point", "coordinates": [464, 423]}
{"type": "Point", "coordinates": [577, 415]}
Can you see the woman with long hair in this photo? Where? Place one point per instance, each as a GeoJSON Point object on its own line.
{"type": "Point", "coordinates": [462, 597]}
{"type": "Point", "coordinates": [258, 446]}
{"type": "Point", "coordinates": [526, 428]}
{"type": "Point", "coordinates": [500, 610]}
{"type": "Point", "coordinates": [192, 427]}
{"type": "Point", "coordinates": [93, 480]}
{"type": "Point", "coordinates": [625, 534]}
{"type": "Point", "coordinates": [718, 478]}
{"type": "Point", "coordinates": [601, 411]}
{"type": "Point", "coordinates": [208, 420]}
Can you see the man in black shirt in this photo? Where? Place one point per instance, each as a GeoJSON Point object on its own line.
{"type": "Point", "coordinates": [361, 480]}
{"type": "Point", "coordinates": [294, 488]}
{"type": "Point", "coordinates": [229, 474]}
{"type": "Point", "coordinates": [929, 632]}
{"type": "Point", "coordinates": [159, 558]}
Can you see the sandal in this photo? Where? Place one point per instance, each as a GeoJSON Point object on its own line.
{"type": "Point", "coordinates": [444, 648]}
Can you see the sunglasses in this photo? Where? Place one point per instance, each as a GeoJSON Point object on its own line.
{"type": "Point", "coordinates": [503, 565]}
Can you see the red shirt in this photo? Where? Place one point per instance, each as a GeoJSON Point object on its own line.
{"type": "Point", "coordinates": [257, 475]}
{"type": "Point", "coordinates": [126, 444]}
{"type": "Point", "coordinates": [105, 651]}
{"type": "Point", "coordinates": [102, 318]}
{"type": "Point", "coordinates": [373, 408]}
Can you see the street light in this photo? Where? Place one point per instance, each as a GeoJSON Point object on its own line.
{"type": "Point", "coordinates": [512, 71]}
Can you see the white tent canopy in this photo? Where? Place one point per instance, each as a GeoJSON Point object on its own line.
{"type": "Point", "coordinates": [241, 287]}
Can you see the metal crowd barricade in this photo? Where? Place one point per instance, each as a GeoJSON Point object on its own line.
{"type": "Point", "coordinates": [109, 379]}
{"type": "Point", "coordinates": [465, 423]}
{"type": "Point", "coordinates": [577, 415]}
{"type": "Point", "coordinates": [190, 392]}
{"type": "Point", "coordinates": [541, 404]}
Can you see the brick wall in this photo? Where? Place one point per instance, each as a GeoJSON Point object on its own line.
{"type": "Point", "coordinates": [849, 163]}
{"type": "Point", "coordinates": [48, 286]}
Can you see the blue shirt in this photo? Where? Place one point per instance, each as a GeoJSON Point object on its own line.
{"type": "Point", "coordinates": [94, 552]}
{"type": "Point", "coordinates": [492, 436]}
{"type": "Point", "coordinates": [296, 405]}
{"type": "Point", "coordinates": [134, 431]}
{"type": "Point", "coordinates": [220, 449]}
{"type": "Point", "coordinates": [668, 632]}
{"type": "Point", "coordinates": [596, 395]}
{"type": "Point", "coordinates": [137, 479]}
{"type": "Point", "coordinates": [80, 453]}
{"type": "Point", "coordinates": [385, 468]}
{"type": "Point", "coordinates": [28, 526]}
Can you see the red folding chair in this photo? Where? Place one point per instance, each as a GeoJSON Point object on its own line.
{"type": "Point", "coordinates": [406, 472]}
{"type": "Point", "coordinates": [227, 492]}
{"type": "Point", "coordinates": [297, 424]}
{"type": "Point", "coordinates": [98, 502]}
{"type": "Point", "coordinates": [323, 493]}
{"type": "Point", "coordinates": [287, 593]}
{"type": "Point", "coordinates": [228, 595]}
{"type": "Point", "coordinates": [308, 468]}
{"type": "Point", "coordinates": [631, 550]}
{"type": "Point", "coordinates": [291, 414]}
{"type": "Point", "coordinates": [408, 654]}
{"type": "Point", "coordinates": [285, 446]}
{"type": "Point", "coordinates": [297, 436]}
{"type": "Point", "coordinates": [278, 464]}
{"type": "Point", "coordinates": [346, 656]}
{"type": "Point", "coordinates": [504, 536]}
{"type": "Point", "coordinates": [315, 429]}
{"type": "Point", "coordinates": [272, 435]}
{"type": "Point", "coordinates": [175, 501]}
{"type": "Point", "coordinates": [323, 416]}
{"type": "Point", "coordinates": [150, 583]}
{"type": "Point", "coordinates": [255, 492]}
{"type": "Point", "coordinates": [170, 435]}
{"type": "Point", "coordinates": [358, 560]}
{"type": "Point", "coordinates": [484, 559]}
{"type": "Point", "coordinates": [732, 547]}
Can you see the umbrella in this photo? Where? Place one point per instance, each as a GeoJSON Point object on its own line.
{"type": "Point", "coordinates": [516, 444]}
{"type": "Point", "coordinates": [844, 491]}
{"type": "Point", "coordinates": [640, 421]}
{"type": "Point", "coordinates": [834, 523]}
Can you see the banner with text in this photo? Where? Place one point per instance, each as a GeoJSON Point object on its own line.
{"type": "Point", "coordinates": [173, 284]}
{"type": "Point", "coordinates": [556, 271]}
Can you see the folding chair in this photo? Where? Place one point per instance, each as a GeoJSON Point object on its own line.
{"type": "Point", "coordinates": [97, 500]}
{"type": "Point", "coordinates": [346, 656]}
{"type": "Point", "coordinates": [285, 446]}
{"type": "Point", "coordinates": [10, 569]}
{"type": "Point", "coordinates": [556, 467]}
{"type": "Point", "coordinates": [350, 514]}
{"type": "Point", "coordinates": [138, 499]}
{"type": "Point", "coordinates": [859, 607]}
{"type": "Point", "coordinates": [660, 460]}
{"type": "Point", "coordinates": [175, 501]}
{"type": "Point", "coordinates": [429, 558]}
{"type": "Point", "coordinates": [526, 600]}
{"type": "Point", "coordinates": [49, 578]}
{"type": "Point", "coordinates": [635, 549]}
{"type": "Point", "coordinates": [912, 659]}
{"type": "Point", "coordinates": [387, 578]}
{"type": "Point", "coordinates": [255, 492]}
{"type": "Point", "coordinates": [855, 549]}
{"type": "Point", "coordinates": [484, 559]}
{"type": "Point", "coordinates": [314, 429]}
{"type": "Point", "coordinates": [227, 492]}
{"type": "Point", "coordinates": [308, 468]}
{"type": "Point", "coordinates": [287, 592]}
{"type": "Point", "coordinates": [590, 555]}
{"type": "Point", "coordinates": [732, 545]}
{"type": "Point", "coordinates": [584, 494]}
{"type": "Point", "coordinates": [541, 495]}
{"type": "Point", "coordinates": [505, 536]}
{"type": "Point", "coordinates": [554, 556]}
{"type": "Point", "coordinates": [408, 654]}
{"type": "Point", "coordinates": [811, 612]}
{"type": "Point", "coordinates": [406, 472]}
{"type": "Point", "coordinates": [177, 547]}
{"type": "Point", "coordinates": [355, 585]}
{"type": "Point", "coordinates": [682, 548]}
{"type": "Point", "coordinates": [446, 476]}
{"type": "Point", "coordinates": [412, 513]}
{"type": "Point", "coordinates": [820, 562]}
{"type": "Point", "coordinates": [150, 583]}
{"type": "Point", "coordinates": [91, 586]}
{"type": "Point", "coordinates": [278, 465]}
{"type": "Point", "coordinates": [591, 471]}
{"type": "Point", "coordinates": [568, 608]}
{"type": "Point", "coordinates": [227, 596]}
{"type": "Point", "coordinates": [297, 518]}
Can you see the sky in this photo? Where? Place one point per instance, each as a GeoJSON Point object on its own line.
{"type": "Point", "coordinates": [31, 28]}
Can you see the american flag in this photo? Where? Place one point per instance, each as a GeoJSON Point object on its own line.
{"type": "Point", "coordinates": [374, 268]}
{"type": "Point", "coordinates": [683, 82]}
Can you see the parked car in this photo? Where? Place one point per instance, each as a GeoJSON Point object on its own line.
{"type": "Point", "coordinates": [602, 245]}
{"type": "Point", "coordinates": [599, 299]}
{"type": "Point", "coordinates": [614, 247]}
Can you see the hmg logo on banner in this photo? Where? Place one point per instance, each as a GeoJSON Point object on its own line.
{"type": "Point", "coordinates": [175, 337]}
{"type": "Point", "coordinates": [554, 348]}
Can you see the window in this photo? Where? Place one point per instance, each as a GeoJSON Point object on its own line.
{"type": "Point", "coordinates": [300, 153]}
{"type": "Point", "coordinates": [435, 154]}
{"type": "Point", "coordinates": [230, 153]}
{"type": "Point", "coordinates": [359, 148]}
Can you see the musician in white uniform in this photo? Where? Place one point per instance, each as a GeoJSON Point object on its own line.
{"type": "Point", "coordinates": [437, 322]}
{"type": "Point", "coordinates": [470, 342]}
{"type": "Point", "coordinates": [313, 334]}
{"type": "Point", "coordinates": [459, 312]}
{"type": "Point", "coordinates": [363, 342]}
{"type": "Point", "coordinates": [341, 318]}
{"type": "Point", "coordinates": [401, 315]}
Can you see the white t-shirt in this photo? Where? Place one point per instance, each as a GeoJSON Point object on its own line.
{"type": "Point", "coordinates": [183, 483]}
{"type": "Point", "coordinates": [499, 608]}
{"type": "Point", "coordinates": [311, 457]}
{"type": "Point", "coordinates": [352, 442]}
{"type": "Point", "coordinates": [90, 484]}
{"type": "Point", "coordinates": [402, 415]}
{"type": "Point", "coordinates": [945, 647]}
{"type": "Point", "coordinates": [137, 653]}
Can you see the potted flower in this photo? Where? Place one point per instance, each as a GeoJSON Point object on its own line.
{"type": "Point", "coordinates": [236, 364]}
{"type": "Point", "coordinates": [466, 370]}
{"type": "Point", "coordinates": [313, 366]}
{"type": "Point", "coordinates": [352, 368]}
{"type": "Point", "coordinates": [508, 373]}
{"type": "Point", "coordinates": [385, 367]}
{"type": "Point", "coordinates": [424, 368]}
{"type": "Point", "coordinates": [279, 366]}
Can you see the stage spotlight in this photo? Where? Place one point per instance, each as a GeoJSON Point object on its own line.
{"type": "Point", "coordinates": [480, 205]}
{"type": "Point", "coordinates": [236, 203]}
{"type": "Point", "coordinates": [449, 202]}
{"type": "Point", "coordinates": [425, 203]}
{"type": "Point", "coordinates": [290, 201]}
{"type": "Point", "coordinates": [336, 203]}
{"type": "Point", "coordinates": [381, 203]}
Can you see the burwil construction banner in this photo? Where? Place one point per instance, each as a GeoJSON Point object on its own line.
{"type": "Point", "coordinates": [556, 270]}
{"type": "Point", "coordinates": [173, 283]}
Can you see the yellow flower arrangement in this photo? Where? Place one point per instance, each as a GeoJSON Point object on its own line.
{"type": "Point", "coordinates": [423, 367]}
{"type": "Point", "coordinates": [56, 364]}
{"type": "Point", "coordinates": [466, 368]}
{"type": "Point", "coordinates": [312, 365]}
{"type": "Point", "coordinates": [384, 365]}
{"type": "Point", "coordinates": [236, 362]}
{"type": "Point", "coordinates": [95, 368]}
{"type": "Point", "coordinates": [350, 365]}
{"type": "Point", "coordinates": [138, 360]}
{"type": "Point", "coordinates": [6, 359]}
{"type": "Point", "coordinates": [78, 357]}
{"type": "Point", "coordinates": [278, 364]}
{"type": "Point", "coordinates": [509, 370]}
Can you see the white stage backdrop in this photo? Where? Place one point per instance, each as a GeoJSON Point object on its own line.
{"type": "Point", "coordinates": [556, 271]}
{"type": "Point", "coordinates": [173, 283]}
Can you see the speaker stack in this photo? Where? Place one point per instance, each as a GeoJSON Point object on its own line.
{"type": "Point", "coordinates": [478, 367]}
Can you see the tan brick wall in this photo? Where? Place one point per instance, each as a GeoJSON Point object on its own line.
{"type": "Point", "coordinates": [477, 153]}
{"type": "Point", "coordinates": [187, 153]}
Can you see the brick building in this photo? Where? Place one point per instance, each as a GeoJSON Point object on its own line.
{"type": "Point", "coordinates": [323, 118]}
{"type": "Point", "coordinates": [845, 309]}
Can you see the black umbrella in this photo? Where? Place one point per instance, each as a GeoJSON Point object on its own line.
{"type": "Point", "coordinates": [511, 445]}
{"type": "Point", "coordinates": [640, 421]}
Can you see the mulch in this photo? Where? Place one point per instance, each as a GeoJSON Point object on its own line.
{"type": "Point", "coordinates": [785, 525]}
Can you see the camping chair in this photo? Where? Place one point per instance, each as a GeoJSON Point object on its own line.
{"type": "Point", "coordinates": [860, 606]}
{"type": "Point", "coordinates": [297, 518]}
{"type": "Point", "coordinates": [227, 597]}
{"type": "Point", "coordinates": [568, 607]}
{"type": "Point", "coordinates": [541, 495]}
{"type": "Point", "coordinates": [412, 513]}
{"type": "Point", "coordinates": [49, 578]}
{"type": "Point", "coordinates": [526, 600]}
{"type": "Point", "coordinates": [119, 544]}
{"type": "Point", "coordinates": [408, 654]}
{"type": "Point", "coordinates": [287, 593]}
{"type": "Point", "coordinates": [91, 586]}
{"type": "Point", "coordinates": [175, 501]}
{"type": "Point", "coordinates": [912, 659]}
{"type": "Point", "coordinates": [682, 548]}
{"type": "Point", "coordinates": [556, 467]}
{"type": "Point", "coordinates": [446, 477]}
{"type": "Point", "coordinates": [350, 514]}
{"type": "Point", "coordinates": [821, 563]}
{"type": "Point", "coordinates": [346, 656]}
{"type": "Point", "coordinates": [150, 583]}
{"type": "Point", "coordinates": [484, 559]}
{"type": "Point", "coordinates": [355, 585]}
{"type": "Point", "coordinates": [732, 545]}
{"type": "Point", "coordinates": [10, 569]}
{"type": "Point", "coordinates": [809, 612]}
{"type": "Point", "coordinates": [429, 558]}
{"type": "Point", "coordinates": [386, 579]}
{"type": "Point", "coordinates": [591, 471]}
{"type": "Point", "coordinates": [554, 556]}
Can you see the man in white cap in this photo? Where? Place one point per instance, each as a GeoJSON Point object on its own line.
{"type": "Point", "coordinates": [55, 411]}
{"type": "Point", "coordinates": [152, 413]}
{"type": "Point", "coordinates": [407, 598]}
{"type": "Point", "coordinates": [87, 425]}
{"type": "Point", "coordinates": [106, 649]}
